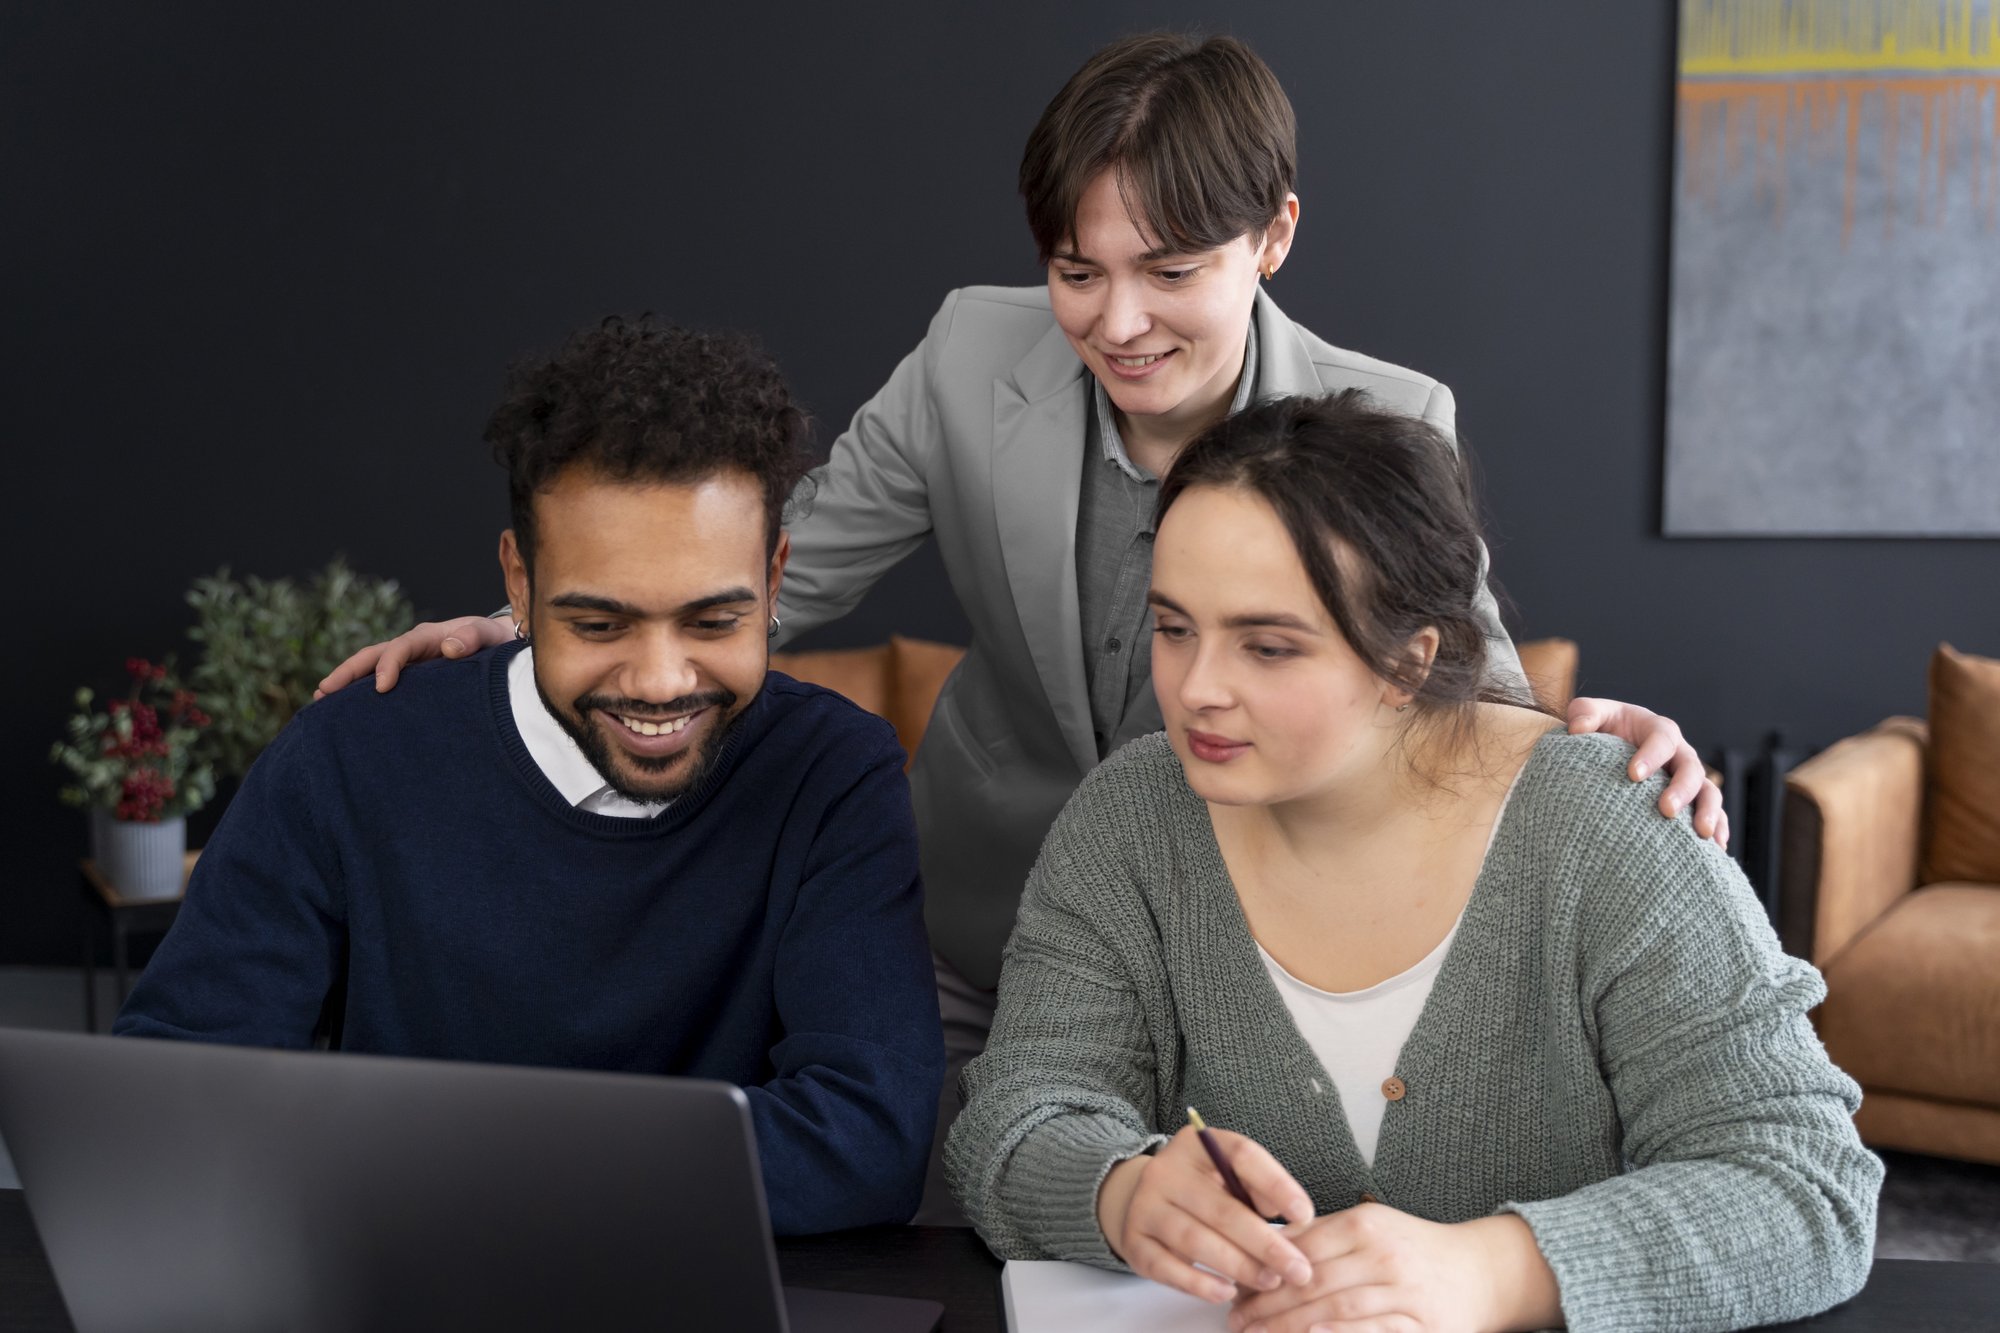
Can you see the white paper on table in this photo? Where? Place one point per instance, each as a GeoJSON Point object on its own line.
{"type": "Point", "coordinates": [1052, 1296]}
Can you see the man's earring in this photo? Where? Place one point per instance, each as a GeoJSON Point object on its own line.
{"type": "Point", "coordinates": [520, 629]}
{"type": "Point", "coordinates": [1270, 272]}
{"type": "Point", "coordinates": [772, 633]}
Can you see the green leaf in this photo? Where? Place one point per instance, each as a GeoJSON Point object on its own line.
{"type": "Point", "coordinates": [266, 644]}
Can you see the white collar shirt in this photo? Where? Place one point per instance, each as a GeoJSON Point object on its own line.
{"type": "Point", "coordinates": [561, 760]}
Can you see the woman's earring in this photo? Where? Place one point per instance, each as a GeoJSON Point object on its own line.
{"type": "Point", "coordinates": [772, 633]}
{"type": "Point", "coordinates": [1402, 708]}
{"type": "Point", "coordinates": [1270, 272]}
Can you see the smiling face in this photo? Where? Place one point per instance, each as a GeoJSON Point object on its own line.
{"type": "Point", "coordinates": [1162, 330]}
{"type": "Point", "coordinates": [648, 611]}
{"type": "Point", "coordinates": [1264, 700]}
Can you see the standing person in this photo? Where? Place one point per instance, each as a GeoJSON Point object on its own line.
{"type": "Point", "coordinates": [1027, 433]}
{"type": "Point", "coordinates": [1504, 1048]}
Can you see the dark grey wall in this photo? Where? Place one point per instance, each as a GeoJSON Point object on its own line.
{"type": "Point", "coordinates": [262, 269]}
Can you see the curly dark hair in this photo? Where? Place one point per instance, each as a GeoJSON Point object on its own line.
{"type": "Point", "coordinates": [640, 400]}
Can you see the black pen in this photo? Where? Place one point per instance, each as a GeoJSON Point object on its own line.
{"type": "Point", "coordinates": [1215, 1155]}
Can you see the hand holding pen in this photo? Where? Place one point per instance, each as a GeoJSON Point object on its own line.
{"type": "Point", "coordinates": [1166, 1213]}
{"type": "Point", "coordinates": [1213, 1147]}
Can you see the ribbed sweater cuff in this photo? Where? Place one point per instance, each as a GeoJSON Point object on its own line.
{"type": "Point", "coordinates": [1594, 1268]}
{"type": "Point", "coordinates": [1056, 1174]}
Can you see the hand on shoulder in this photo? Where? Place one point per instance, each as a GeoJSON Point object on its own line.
{"type": "Point", "coordinates": [435, 638]}
{"type": "Point", "coordinates": [1659, 746]}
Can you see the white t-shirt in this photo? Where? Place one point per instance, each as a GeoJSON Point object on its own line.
{"type": "Point", "coordinates": [1358, 1035]}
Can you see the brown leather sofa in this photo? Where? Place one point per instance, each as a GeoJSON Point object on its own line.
{"type": "Point", "coordinates": [1882, 891]}
{"type": "Point", "coordinates": [900, 679]}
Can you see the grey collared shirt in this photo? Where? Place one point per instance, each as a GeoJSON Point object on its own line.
{"type": "Point", "coordinates": [1114, 569]}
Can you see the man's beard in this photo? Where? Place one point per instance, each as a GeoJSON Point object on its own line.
{"type": "Point", "coordinates": [598, 748]}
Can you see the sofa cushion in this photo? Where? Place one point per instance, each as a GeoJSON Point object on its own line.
{"type": "Point", "coordinates": [1913, 1005]}
{"type": "Point", "coordinates": [1963, 808]}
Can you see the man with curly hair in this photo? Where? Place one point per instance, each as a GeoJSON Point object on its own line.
{"type": "Point", "coordinates": [619, 841]}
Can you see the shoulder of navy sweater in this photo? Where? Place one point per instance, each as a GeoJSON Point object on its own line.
{"type": "Point", "coordinates": [823, 724]}
{"type": "Point", "coordinates": [435, 728]}
{"type": "Point", "coordinates": [431, 699]}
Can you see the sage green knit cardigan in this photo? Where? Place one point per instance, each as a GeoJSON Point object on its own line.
{"type": "Point", "coordinates": [1615, 1048]}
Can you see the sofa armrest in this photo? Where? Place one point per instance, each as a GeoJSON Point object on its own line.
{"type": "Point", "coordinates": [1852, 833]}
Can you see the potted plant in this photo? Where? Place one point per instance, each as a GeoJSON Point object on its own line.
{"type": "Point", "coordinates": [134, 764]}
{"type": "Point", "coordinates": [265, 643]}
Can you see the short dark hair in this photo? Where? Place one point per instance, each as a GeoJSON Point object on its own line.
{"type": "Point", "coordinates": [1201, 136]}
{"type": "Point", "coordinates": [639, 400]}
{"type": "Point", "coordinates": [1394, 492]}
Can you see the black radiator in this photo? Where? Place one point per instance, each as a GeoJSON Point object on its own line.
{"type": "Point", "coordinates": [1753, 796]}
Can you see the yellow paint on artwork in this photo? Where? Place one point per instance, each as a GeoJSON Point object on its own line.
{"type": "Point", "coordinates": [1739, 38]}
{"type": "Point", "coordinates": [1763, 78]}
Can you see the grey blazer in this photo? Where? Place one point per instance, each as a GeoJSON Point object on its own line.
{"type": "Point", "coordinates": [977, 437]}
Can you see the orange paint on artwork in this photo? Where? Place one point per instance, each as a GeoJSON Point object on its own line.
{"type": "Point", "coordinates": [1853, 164]}
{"type": "Point", "coordinates": [1930, 141]}
{"type": "Point", "coordinates": [1769, 105]}
{"type": "Point", "coordinates": [1892, 125]}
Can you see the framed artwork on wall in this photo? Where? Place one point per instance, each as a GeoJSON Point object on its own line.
{"type": "Point", "coordinates": [1834, 325]}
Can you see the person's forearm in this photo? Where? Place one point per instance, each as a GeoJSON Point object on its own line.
{"type": "Point", "coordinates": [1521, 1283]}
{"type": "Point", "coordinates": [844, 1146]}
{"type": "Point", "coordinates": [261, 933]}
{"type": "Point", "coordinates": [1114, 1199]}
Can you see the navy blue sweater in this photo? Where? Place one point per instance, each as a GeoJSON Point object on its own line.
{"type": "Point", "coordinates": [766, 929]}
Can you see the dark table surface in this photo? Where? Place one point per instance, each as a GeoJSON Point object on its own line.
{"type": "Point", "coordinates": [951, 1266]}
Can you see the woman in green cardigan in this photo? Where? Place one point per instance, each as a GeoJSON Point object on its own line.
{"type": "Point", "coordinates": [1503, 1048]}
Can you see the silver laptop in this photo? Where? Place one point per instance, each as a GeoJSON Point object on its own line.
{"type": "Point", "coordinates": [185, 1186]}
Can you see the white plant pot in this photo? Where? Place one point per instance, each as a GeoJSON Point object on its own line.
{"type": "Point", "coordinates": [140, 860]}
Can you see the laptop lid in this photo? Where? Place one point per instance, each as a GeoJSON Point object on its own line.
{"type": "Point", "coordinates": [178, 1185]}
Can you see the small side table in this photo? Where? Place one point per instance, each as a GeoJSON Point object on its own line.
{"type": "Point", "coordinates": [126, 915]}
